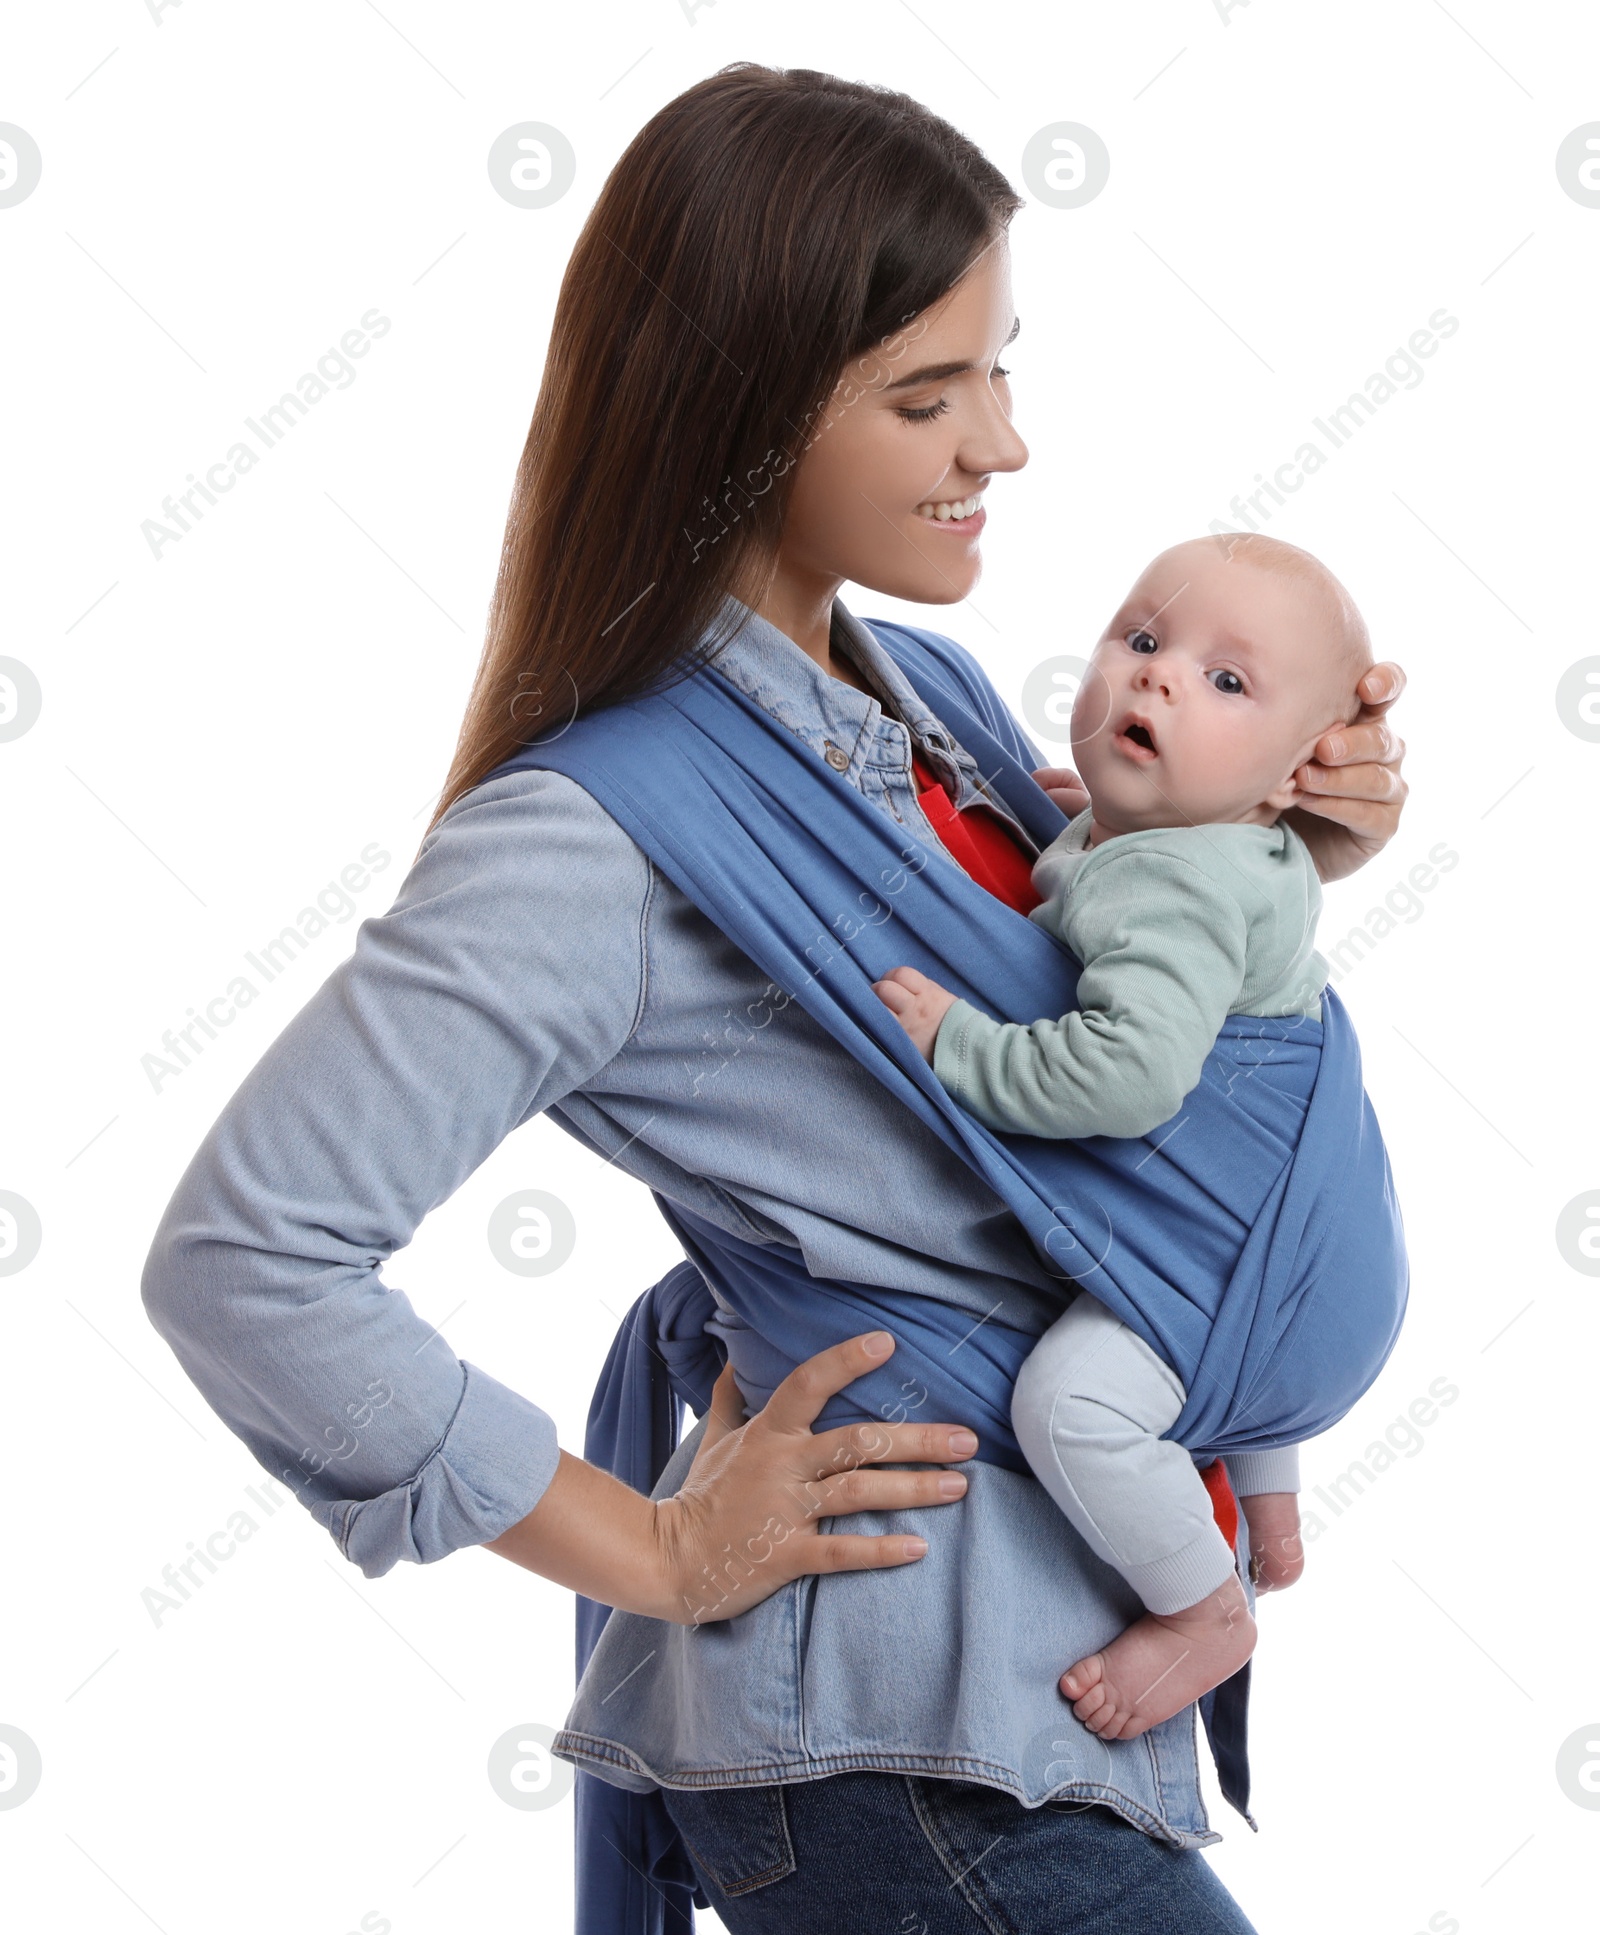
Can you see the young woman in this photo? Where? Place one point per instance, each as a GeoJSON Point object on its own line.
{"type": "Point", "coordinates": [774, 367]}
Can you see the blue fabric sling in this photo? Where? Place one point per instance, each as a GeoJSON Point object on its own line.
{"type": "Point", "coordinates": [1254, 1241]}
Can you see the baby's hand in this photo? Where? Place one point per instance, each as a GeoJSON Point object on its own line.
{"type": "Point", "coordinates": [1277, 1558]}
{"type": "Point", "coordinates": [919, 1004]}
{"type": "Point", "coordinates": [1065, 788]}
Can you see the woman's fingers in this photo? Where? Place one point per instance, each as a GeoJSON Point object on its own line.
{"type": "Point", "coordinates": [869, 1488]}
{"type": "Point", "coordinates": [1372, 822]}
{"type": "Point", "coordinates": [848, 1446]}
{"type": "Point", "coordinates": [1351, 789]}
{"type": "Point", "coordinates": [1365, 782]}
{"type": "Point", "coordinates": [1364, 800]}
{"type": "Point", "coordinates": [795, 1404]}
{"type": "Point", "coordinates": [851, 1552]}
{"type": "Point", "coordinates": [745, 1520]}
{"type": "Point", "coordinates": [1361, 744]}
{"type": "Point", "coordinates": [1360, 763]}
{"type": "Point", "coordinates": [1380, 686]}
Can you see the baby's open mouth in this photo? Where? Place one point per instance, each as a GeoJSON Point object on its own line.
{"type": "Point", "coordinates": [1134, 732]}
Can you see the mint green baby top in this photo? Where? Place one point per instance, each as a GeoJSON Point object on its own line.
{"type": "Point", "coordinates": [1177, 928]}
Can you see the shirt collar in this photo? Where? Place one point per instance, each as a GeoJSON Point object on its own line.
{"type": "Point", "coordinates": [767, 665]}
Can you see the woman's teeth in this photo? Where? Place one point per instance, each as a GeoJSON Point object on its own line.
{"type": "Point", "coordinates": [962, 507]}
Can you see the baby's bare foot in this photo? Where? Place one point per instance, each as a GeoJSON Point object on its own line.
{"type": "Point", "coordinates": [1161, 1663]}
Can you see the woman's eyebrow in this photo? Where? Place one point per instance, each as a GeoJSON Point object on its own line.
{"type": "Point", "coordinates": [937, 372]}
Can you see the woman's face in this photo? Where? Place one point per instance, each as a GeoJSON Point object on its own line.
{"type": "Point", "coordinates": [911, 435]}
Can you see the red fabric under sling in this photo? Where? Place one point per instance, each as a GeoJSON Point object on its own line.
{"type": "Point", "coordinates": [981, 841]}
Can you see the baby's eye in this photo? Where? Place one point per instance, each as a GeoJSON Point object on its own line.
{"type": "Point", "coordinates": [1142, 641]}
{"type": "Point", "coordinates": [1229, 682]}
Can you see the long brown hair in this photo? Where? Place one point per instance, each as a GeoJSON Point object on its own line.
{"type": "Point", "coordinates": [762, 230]}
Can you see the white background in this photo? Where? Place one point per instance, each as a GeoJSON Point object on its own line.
{"type": "Point", "coordinates": [1294, 190]}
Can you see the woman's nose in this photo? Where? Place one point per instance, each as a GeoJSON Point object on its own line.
{"type": "Point", "coordinates": [1007, 451]}
{"type": "Point", "coordinates": [992, 444]}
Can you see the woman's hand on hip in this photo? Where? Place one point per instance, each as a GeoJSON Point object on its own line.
{"type": "Point", "coordinates": [745, 1519]}
{"type": "Point", "coordinates": [1352, 790]}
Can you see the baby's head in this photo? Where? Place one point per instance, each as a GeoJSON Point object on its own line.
{"type": "Point", "coordinates": [1217, 675]}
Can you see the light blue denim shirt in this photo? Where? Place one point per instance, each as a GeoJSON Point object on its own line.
{"type": "Point", "coordinates": [535, 960]}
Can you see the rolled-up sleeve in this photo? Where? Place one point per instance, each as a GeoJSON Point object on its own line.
{"type": "Point", "coordinates": [509, 970]}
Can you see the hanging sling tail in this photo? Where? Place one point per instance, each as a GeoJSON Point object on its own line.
{"type": "Point", "coordinates": [1254, 1241]}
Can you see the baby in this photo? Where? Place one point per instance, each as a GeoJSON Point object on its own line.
{"type": "Point", "coordinates": [1187, 899]}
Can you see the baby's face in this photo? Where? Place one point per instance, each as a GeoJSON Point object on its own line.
{"type": "Point", "coordinates": [1212, 683]}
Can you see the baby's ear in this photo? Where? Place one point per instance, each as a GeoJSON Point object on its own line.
{"type": "Point", "coordinates": [1284, 795]}
{"type": "Point", "coordinates": [1308, 749]}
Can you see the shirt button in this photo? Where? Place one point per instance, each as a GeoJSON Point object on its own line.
{"type": "Point", "coordinates": [836, 756]}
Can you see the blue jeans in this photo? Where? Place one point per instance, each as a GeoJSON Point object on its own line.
{"type": "Point", "coordinates": [904, 1854]}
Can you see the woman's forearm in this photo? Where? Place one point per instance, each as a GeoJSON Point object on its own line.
{"type": "Point", "coordinates": [598, 1536]}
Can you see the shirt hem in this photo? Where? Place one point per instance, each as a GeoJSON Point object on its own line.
{"type": "Point", "coordinates": [597, 1755]}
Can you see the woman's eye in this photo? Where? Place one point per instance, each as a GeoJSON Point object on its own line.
{"type": "Point", "coordinates": [1000, 372]}
{"type": "Point", "coordinates": [1229, 682]}
{"type": "Point", "coordinates": [926, 416]}
{"type": "Point", "coordinates": [1141, 641]}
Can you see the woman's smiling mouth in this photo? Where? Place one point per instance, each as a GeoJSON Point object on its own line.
{"type": "Point", "coordinates": [961, 514]}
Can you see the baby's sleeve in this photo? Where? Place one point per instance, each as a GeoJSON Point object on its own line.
{"type": "Point", "coordinates": [1162, 942]}
{"type": "Point", "coordinates": [1252, 1472]}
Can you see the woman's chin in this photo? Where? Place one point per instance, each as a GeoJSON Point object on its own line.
{"type": "Point", "coordinates": [945, 585]}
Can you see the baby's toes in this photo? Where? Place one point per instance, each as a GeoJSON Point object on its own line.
{"type": "Point", "coordinates": [1115, 1719]}
{"type": "Point", "coordinates": [1099, 1713]}
{"type": "Point", "coordinates": [1096, 1702]}
{"type": "Point", "coordinates": [1078, 1681]}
